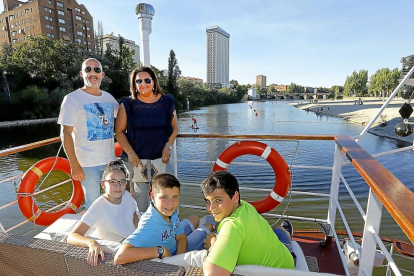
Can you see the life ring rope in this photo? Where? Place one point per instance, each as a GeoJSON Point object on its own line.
{"type": "Point", "coordinates": [35, 216]}
{"type": "Point", "coordinates": [281, 169]}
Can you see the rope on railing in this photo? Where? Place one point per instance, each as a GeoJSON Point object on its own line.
{"type": "Point", "coordinates": [37, 214]}
{"type": "Point", "coordinates": [23, 222]}
{"type": "Point", "coordinates": [38, 192]}
{"type": "Point", "coordinates": [11, 178]}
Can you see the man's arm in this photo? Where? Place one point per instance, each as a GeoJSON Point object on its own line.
{"type": "Point", "coordinates": [129, 253]}
{"type": "Point", "coordinates": [69, 147]}
{"type": "Point", "coordinates": [182, 243]}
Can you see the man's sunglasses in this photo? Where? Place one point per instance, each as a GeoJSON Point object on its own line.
{"type": "Point", "coordinates": [146, 80]}
{"type": "Point", "coordinates": [97, 70]}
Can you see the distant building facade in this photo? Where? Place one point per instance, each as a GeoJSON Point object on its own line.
{"type": "Point", "coordinates": [252, 93]}
{"type": "Point", "coordinates": [218, 48]}
{"type": "Point", "coordinates": [195, 80]}
{"type": "Point", "coordinates": [56, 19]}
{"type": "Point", "coordinates": [281, 87]}
{"type": "Point", "coordinates": [113, 41]}
{"type": "Point", "coordinates": [261, 80]}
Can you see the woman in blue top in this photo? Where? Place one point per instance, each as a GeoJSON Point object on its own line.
{"type": "Point", "coordinates": [146, 128]}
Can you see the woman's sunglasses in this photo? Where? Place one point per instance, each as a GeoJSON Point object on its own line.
{"type": "Point", "coordinates": [96, 69]}
{"type": "Point", "coordinates": [146, 80]}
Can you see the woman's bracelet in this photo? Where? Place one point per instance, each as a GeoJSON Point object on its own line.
{"type": "Point", "coordinates": [130, 154]}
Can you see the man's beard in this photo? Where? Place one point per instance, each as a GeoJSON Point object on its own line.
{"type": "Point", "coordinates": [89, 84]}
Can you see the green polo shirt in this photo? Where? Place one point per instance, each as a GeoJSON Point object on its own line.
{"type": "Point", "coordinates": [246, 237]}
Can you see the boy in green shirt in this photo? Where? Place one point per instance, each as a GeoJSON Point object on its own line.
{"type": "Point", "coordinates": [243, 236]}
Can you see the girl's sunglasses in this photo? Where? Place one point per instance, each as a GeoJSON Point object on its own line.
{"type": "Point", "coordinates": [96, 69]}
{"type": "Point", "coordinates": [146, 80]}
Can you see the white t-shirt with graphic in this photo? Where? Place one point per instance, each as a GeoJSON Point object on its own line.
{"type": "Point", "coordinates": [93, 120]}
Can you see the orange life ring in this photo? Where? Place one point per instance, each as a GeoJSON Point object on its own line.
{"type": "Point", "coordinates": [280, 168]}
{"type": "Point", "coordinates": [27, 185]}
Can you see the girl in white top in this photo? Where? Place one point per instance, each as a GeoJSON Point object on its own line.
{"type": "Point", "coordinates": [113, 214]}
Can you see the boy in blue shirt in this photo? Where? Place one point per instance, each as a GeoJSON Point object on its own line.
{"type": "Point", "coordinates": [160, 232]}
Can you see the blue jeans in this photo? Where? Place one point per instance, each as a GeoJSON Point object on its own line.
{"type": "Point", "coordinates": [285, 239]}
{"type": "Point", "coordinates": [92, 184]}
{"type": "Point", "coordinates": [195, 237]}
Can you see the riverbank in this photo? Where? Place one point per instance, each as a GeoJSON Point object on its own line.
{"type": "Point", "coordinates": [26, 122]}
{"type": "Point", "coordinates": [351, 111]}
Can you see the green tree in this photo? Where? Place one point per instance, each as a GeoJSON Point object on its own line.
{"type": "Point", "coordinates": [235, 83]}
{"type": "Point", "coordinates": [336, 90]}
{"type": "Point", "coordinates": [356, 84]}
{"type": "Point", "coordinates": [118, 65]}
{"type": "Point", "coordinates": [47, 63]}
{"type": "Point", "coordinates": [383, 81]}
{"type": "Point", "coordinates": [162, 78]}
{"type": "Point", "coordinates": [295, 88]}
{"type": "Point", "coordinates": [174, 74]}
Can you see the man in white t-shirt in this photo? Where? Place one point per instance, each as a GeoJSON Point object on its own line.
{"type": "Point", "coordinates": [87, 129]}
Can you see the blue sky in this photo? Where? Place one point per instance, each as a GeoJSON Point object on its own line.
{"type": "Point", "coordinates": [308, 42]}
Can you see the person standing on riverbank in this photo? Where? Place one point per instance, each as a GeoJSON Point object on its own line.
{"type": "Point", "coordinates": [87, 129]}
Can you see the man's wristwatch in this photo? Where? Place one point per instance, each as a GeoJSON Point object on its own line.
{"type": "Point", "coordinates": [168, 146]}
{"type": "Point", "coordinates": [160, 251]}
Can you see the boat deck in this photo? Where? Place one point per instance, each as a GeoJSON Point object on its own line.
{"type": "Point", "coordinates": [317, 255]}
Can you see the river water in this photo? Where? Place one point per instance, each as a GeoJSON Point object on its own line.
{"type": "Point", "coordinates": [269, 117]}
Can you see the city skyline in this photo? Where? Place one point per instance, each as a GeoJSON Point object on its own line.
{"type": "Point", "coordinates": [311, 43]}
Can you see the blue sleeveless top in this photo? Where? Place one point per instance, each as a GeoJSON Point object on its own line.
{"type": "Point", "coordinates": [148, 125]}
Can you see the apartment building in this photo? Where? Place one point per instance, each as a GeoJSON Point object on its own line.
{"type": "Point", "coordinates": [113, 41]}
{"type": "Point", "coordinates": [218, 41]}
{"type": "Point", "coordinates": [56, 19]}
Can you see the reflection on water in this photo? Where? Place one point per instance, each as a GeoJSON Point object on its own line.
{"type": "Point", "coordinates": [271, 118]}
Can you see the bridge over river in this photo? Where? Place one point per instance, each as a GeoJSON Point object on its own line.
{"type": "Point", "coordinates": [301, 96]}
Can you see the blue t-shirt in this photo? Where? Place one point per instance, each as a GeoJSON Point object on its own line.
{"type": "Point", "coordinates": [153, 230]}
{"type": "Point", "coordinates": [149, 125]}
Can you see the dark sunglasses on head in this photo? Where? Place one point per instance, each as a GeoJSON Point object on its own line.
{"type": "Point", "coordinates": [96, 69]}
{"type": "Point", "coordinates": [146, 80]}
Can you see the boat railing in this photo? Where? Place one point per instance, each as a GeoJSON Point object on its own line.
{"type": "Point", "coordinates": [386, 103]}
{"type": "Point", "coordinates": [385, 190]}
{"type": "Point", "coordinates": [382, 184]}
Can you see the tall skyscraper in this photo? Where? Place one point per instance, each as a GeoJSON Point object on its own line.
{"type": "Point", "coordinates": [56, 19]}
{"type": "Point", "coordinates": [217, 55]}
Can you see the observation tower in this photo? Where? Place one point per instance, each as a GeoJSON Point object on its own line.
{"type": "Point", "coordinates": [145, 12]}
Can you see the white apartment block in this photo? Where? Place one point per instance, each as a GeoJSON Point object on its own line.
{"type": "Point", "coordinates": [217, 55]}
{"type": "Point", "coordinates": [112, 40]}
